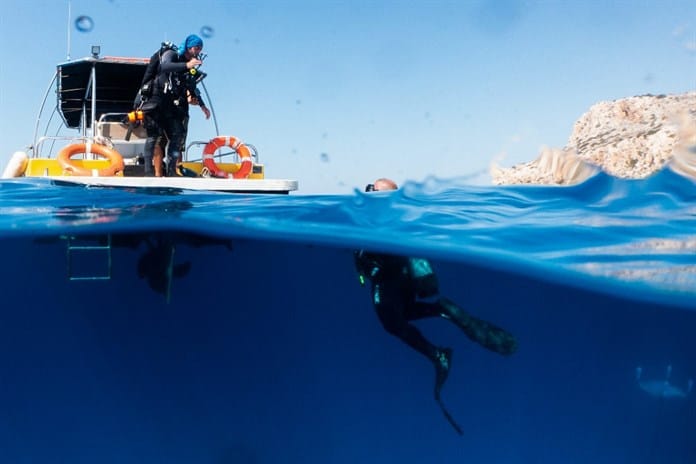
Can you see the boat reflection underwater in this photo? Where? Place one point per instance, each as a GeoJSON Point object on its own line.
{"type": "Point", "coordinates": [663, 388]}
{"type": "Point", "coordinates": [157, 264]}
{"type": "Point", "coordinates": [89, 257]}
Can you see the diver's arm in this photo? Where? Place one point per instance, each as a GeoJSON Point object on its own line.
{"type": "Point", "coordinates": [366, 264]}
{"type": "Point", "coordinates": [168, 65]}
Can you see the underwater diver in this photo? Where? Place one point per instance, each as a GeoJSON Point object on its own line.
{"type": "Point", "coordinates": [406, 289]}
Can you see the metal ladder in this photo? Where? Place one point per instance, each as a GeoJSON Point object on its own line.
{"type": "Point", "coordinates": [80, 245]}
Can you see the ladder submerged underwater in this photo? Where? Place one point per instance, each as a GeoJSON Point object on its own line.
{"type": "Point", "coordinates": [90, 258]}
{"type": "Point", "coordinates": [83, 246]}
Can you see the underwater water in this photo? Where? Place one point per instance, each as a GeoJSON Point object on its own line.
{"type": "Point", "coordinates": [265, 348]}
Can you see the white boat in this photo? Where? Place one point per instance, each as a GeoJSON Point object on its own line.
{"type": "Point", "coordinates": [94, 99]}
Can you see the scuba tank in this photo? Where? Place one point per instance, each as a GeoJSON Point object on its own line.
{"type": "Point", "coordinates": [418, 271]}
{"type": "Point", "coordinates": [423, 277]}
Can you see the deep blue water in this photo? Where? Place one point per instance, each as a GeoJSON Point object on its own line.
{"type": "Point", "coordinates": [268, 350]}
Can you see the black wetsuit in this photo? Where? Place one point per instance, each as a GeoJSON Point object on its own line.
{"type": "Point", "coordinates": [167, 111]}
{"type": "Point", "coordinates": [406, 289]}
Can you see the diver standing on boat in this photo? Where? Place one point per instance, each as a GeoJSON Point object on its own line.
{"type": "Point", "coordinates": [406, 289]}
{"type": "Point", "coordinates": [173, 87]}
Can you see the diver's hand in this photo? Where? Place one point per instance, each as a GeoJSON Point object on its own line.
{"type": "Point", "coordinates": [193, 62]}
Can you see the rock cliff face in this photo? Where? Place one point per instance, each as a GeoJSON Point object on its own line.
{"type": "Point", "coordinates": [630, 138]}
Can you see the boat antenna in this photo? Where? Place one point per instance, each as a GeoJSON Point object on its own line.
{"type": "Point", "coordinates": [69, 15]}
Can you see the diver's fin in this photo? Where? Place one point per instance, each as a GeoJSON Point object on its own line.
{"type": "Point", "coordinates": [443, 361]}
{"type": "Point", "coordinates": [484, 333]}
{"type": "Point", "coordinates": [449, 417]}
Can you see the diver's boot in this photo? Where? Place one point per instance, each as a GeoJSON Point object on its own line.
{"type": "Point", "coordinates": [442, 361]}
{"type": "Point", "coordinates": [484, 333]}
{"type": "Point", "coordinates": [170, 166]}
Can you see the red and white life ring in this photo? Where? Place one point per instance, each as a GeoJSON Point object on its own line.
{"type": "Point", "coordinates": [235, 144]}
{"type": "Point", "coordinates": [115, 160]}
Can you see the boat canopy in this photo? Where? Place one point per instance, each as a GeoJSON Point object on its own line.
{"type": "Point", "coordinates": [107, 84]}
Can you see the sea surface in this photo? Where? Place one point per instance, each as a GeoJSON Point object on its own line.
{"type": "Point", "coordinates": [263, 347]}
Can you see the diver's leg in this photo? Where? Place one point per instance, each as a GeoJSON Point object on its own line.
{"type": "Point", "coordinates": [158, 155]}
{"type": "Point", "coordinates": [185, 123]}
{"type": "Point", "coordinates": [424, 309]}
{"type": "Point", "coordinates": [147, 157]}
{"type": "Point", "coordinates": [390, 306]}
{"type": "Point", "coordinates": [484, 333]}
{"type": "Point", "coordinates": [153, 133]}
{"type": "Point", "coordinates": [176, 135]}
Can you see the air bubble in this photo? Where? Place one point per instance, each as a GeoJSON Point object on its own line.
{"type": "Point", "coordinates": [84, 23]}
{"type": "Point", "coordinates": [207, 32]}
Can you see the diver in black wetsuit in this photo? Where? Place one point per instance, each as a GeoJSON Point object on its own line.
{"type": "Point", "coordinates": [167, 110]}
{"type": "Point", "coordinates": [406, 289]}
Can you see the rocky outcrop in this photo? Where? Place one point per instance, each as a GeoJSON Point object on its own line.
{"type": "Point", "coordinates": [630, 138]}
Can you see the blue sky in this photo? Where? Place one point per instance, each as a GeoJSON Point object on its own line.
{"type": "Point", "coordinates": [336, 93]}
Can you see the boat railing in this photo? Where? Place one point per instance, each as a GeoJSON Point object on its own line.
{"type": "Point", "coordinates": [220, 154]}
{"type": "Point", "coordinates": [36, 149]}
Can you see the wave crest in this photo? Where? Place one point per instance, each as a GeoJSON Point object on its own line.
{"type": "Point", "coordinates": [553, 166]}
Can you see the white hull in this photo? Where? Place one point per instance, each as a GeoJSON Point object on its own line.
{"type": "Point", "coordinates": [186, 183]}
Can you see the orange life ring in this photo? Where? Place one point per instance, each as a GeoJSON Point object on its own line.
{"type": "Point", "coordinates": [233, 143]}
{"type": "Point", "coordinates": [114, 158]}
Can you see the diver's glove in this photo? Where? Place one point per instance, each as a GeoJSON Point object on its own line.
{"type": "Point", "coordinates": [359, 257]}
